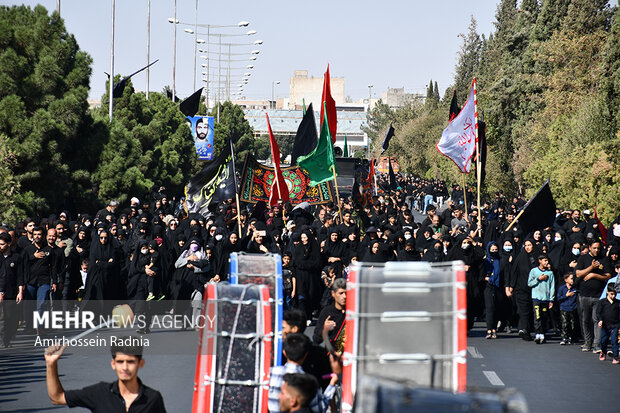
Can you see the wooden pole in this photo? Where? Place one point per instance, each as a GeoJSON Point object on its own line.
{"type": "Point", "coordinates": [478, 161]}
{"type": "Point", "coordinates": [238, 214]}
{"type": "Point", "coordinates": [464, 194]}
{"type": "Point", "coordinates": [515, 220]}
{"type": "Point", "coordinates": [375, 178]}
{"type": "Point", "coordinates": [337, 194]}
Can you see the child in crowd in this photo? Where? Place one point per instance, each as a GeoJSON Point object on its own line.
{"type": "Point", "coordinates": [543, 292]}
{"type": "Point", "coordinates": [152, 281]}
{"type": "Point", "coordinates": [289, 282]}
{"type": "Point", "coordinates": [567, 298]}
{"type": "Point", "coordinates": [608, 317]}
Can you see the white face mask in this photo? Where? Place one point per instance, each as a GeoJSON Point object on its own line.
{"type": "Point", "coordinates": [575, 251]}
{"type": "Point", "coordinates": [407, 236]}
{"type": "Point", "coordinates": [617, 231]}
{"type": "Point", "coordinates": [558, 238]}
{"type": "Point", "coordinates": [219, 237]}
{"type": "Point", "coordinates": [144, 251]}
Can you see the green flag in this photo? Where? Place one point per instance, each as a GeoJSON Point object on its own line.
{"type": "Point", "coordinates": [320, 163]}
{"type": "Point", "coordinates": [345, 152]}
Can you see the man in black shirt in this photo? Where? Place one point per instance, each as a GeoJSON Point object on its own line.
{"type": "Point", "coordinates": [127, 394]}
{"type": "Point", "coordinates": [593, 271]}
{"type": "Point", "coordinates": [11, 288]}
{"type": "Point", "coordinates": [332, 317]}
{"type": "Point", "coordinates": [348, 226]}
{"type": "Point", "coordinates": [40, 271]}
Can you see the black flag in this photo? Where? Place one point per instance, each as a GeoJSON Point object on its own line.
{"type": "Point", "coordinates": [189, 107]}
{"type": "Point", "coordinates": [169, 96]}
{"type": "Point", "coordinates": [306, 137]}
{"type": "Point", "coordinates": [454, 107]}
{"type": "Point", "coordinates": [119, 87]}
{"type": "Point", "coordinates": [392, 175]}
{"type": "Point", "coordinates": [388, 137]}
{"type": "Point", "coordinates": [539, 212]}
{"type": "Point", "coordinates": [215, 183]}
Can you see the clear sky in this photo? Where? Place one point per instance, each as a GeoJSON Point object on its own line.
{"type": "Point", "coordinates": [392, 43]}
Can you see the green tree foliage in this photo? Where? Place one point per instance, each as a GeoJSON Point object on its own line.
{"type": "Point", "coordinates": [149, 143]}
{"type": "Point", "coordinates": [9, 212]}
{"type": "Point", "coordinates": [468, 59]}
{"type": "Point", "coordinates": [44, 81]}
{"type": "Point", "coordinates": [549, 90]}
{"type": "Point", "coordinates": [233, 122]}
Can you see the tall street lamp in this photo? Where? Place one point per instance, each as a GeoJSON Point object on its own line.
{"type": "Point", "coordinates": [273, 84]}
{"type": "Point", "coordinates": [200, 41]}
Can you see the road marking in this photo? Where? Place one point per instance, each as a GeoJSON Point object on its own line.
{"type": "Point", "coordinates": [473, 351]}
{"type": "Point", "coordinates": [493, 378]}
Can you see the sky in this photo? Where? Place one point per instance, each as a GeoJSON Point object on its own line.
{"type": "Point", "coordinates": [392, 43]}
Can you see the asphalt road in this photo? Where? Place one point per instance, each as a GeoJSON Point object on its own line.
{"type": "Point", "coordinates": [552, 378]}
{"type": "Point", "coordinates": [169, 367]}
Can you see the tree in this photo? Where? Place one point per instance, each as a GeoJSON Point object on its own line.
{"type": "Point", "coordinates": [232, 121]}
{"type": "Point", "coordinates": [9, 212]}
{"type": "Point", "coordinates": [149, 143]}
{"type": "Point", "coordinates": [44, 81]}
{"type": "Point", "coordinates": [377, 121]}
{"type": "Point", "coordinates": [468, 59]}
{"type": "Point", "coordinates": [609, 89]}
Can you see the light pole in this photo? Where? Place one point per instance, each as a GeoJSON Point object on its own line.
{"type": "Point", "coordinates": [111, 97]}
{"type": "Point", "coordinates": [273, 84]}
{"type": "Point", "coordinates": [197, 41]}
{"type": "Point", "coordinates": [174, 58]}
{"type": "Point", "coordinates": [174, 21]}
{"type": "Point", "coordinates": [368, 139]}
{"type": "Point", "coordinates": [148, 45]}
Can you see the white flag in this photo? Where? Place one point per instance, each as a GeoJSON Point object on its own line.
{"type": "Point", "coordinates": [458, 140]}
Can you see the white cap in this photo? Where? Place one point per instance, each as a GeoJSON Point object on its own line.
{"type": "Point", "coordinates": [135, 200]}
{"type": "Point", "coordinates": [586, 212]}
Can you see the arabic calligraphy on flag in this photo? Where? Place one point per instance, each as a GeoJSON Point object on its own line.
{"type": "Point", "coordinates": [458, 140]}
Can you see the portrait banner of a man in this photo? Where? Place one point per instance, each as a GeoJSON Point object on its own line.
{"type": "Point", "coordinates": [202, 131]}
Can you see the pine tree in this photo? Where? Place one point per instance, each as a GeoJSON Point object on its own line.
{"type": "Point", "coordinates": [44, 81]}
{"type": "Point", "coordinates": [429, 91]}
{"type": "Point", "coordinates": [468, 59]}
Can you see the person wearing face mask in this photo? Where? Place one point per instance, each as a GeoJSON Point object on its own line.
{"type": "Point", "coordinates": [613, 235]}
{"type": "Point", "coordinates": [103, 271]}
{"type": "Point", "coordinates": [424, 239]}
{"type": "Point", "coordinates": [472, 255]}
{"type": "Point", "coordinates": [435, 253]}
{"type": "Point", "coordinates": [190, 277]}
{"type": "Point", "coordinates": [569, 258]}
{"type": "Point", "coordinates": [517, 286]}
{"type": "Point", "coordinates": [508, 308]}
{"type": "Point", "coordinates": [492, 276]}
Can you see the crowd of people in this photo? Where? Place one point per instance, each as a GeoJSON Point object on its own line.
{"type": "Point", "coordinates": [153, 250]}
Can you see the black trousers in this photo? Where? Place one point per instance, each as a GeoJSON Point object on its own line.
{"type": "Point", "coordinates": [491, 305]}
{"type": "Point", "coordinates": [541, 316]}
{"type": "Point", "coordinates": [9, 317]}
{"type": "Point", "coordinates": [524, 308]}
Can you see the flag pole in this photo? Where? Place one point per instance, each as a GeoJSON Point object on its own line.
{"type": "Point", "coordinates": [273, 159]}
{"type": "Point", "coordinates": [232, 153]}
{"type": "Point", "coordinates": [464, 193]}
{"type": "Point", "coordinates": [337, 194]}
{"type": "Point", "coordinates": [514, 221]}
{"type": "Point", "coordinates": [478, 160]}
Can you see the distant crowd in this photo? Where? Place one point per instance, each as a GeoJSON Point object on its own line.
{"type": "Point", "coordinates": [554, 280]}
